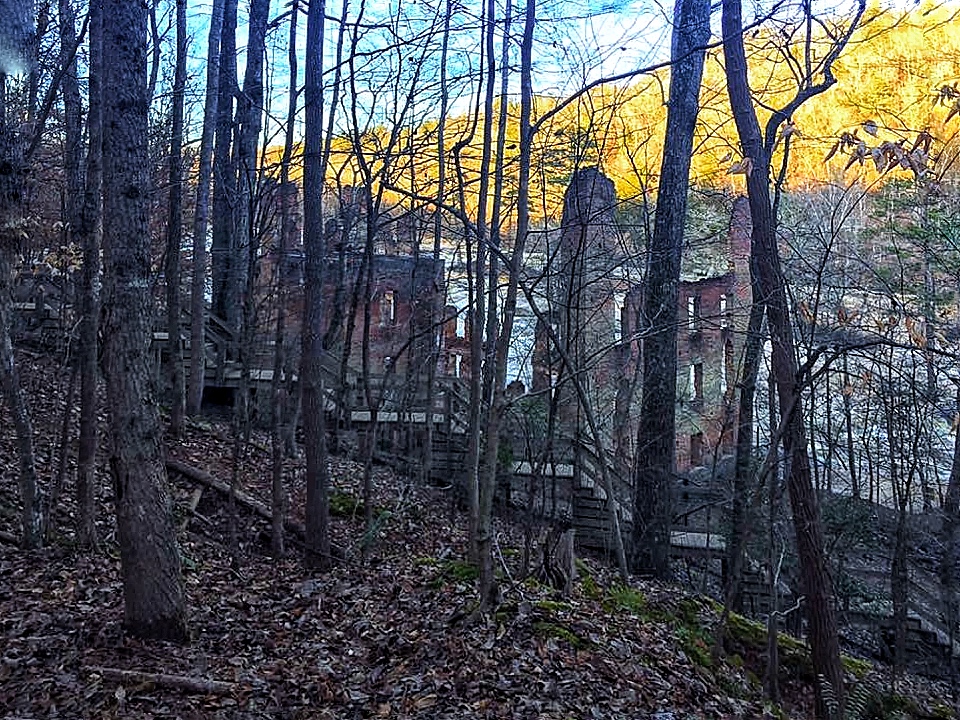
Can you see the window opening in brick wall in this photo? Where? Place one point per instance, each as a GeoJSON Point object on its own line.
{"type": "Point", "coordinates": [694, 309]}
{"type": "Point", "coordinates": [388, 308]}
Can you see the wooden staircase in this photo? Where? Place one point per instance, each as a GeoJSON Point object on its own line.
{"type": "Point", "coordinates": [400, 411]}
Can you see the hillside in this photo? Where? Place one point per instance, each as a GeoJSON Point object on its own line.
{"type": "Point", "coordinates": [394, 636]}
{"type": "Point", "coordinates": [889, 75]}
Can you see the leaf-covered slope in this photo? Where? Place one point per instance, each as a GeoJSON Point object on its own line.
{"type": "Point", "coordinates": [394, 637]}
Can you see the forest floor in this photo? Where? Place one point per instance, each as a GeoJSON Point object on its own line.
{"type": "Point", "coordinates": [392, 635]}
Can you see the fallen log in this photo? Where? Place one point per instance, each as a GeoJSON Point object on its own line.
{"type": "Point", "coordinates": [204, 478]}
{"type": "Point", "coordinates": [163, 680]}
{"type": "Point", "coordinates": [248, 501]}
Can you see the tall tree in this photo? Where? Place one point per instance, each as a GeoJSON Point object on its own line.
{"type": "Point", "coordinates": [499, 402]}
{"type": "Point", "coordinates": [757, 146]}
{"type": "Point", "coordinates": [15, 60]}
{"type": "Point", "coordinates": [476, 277]}
{"type": "Point", "coordinates": [427, 464]}
{"type": "Point", "coordinates": [244, 249]}
{"type": "Point", "coordinates": [72, 123]}
{"type": "Point", "coordinates": [88, 235]}
{"type": "Point", "coordinates": [317, 477]}
{"type": "Point", "coordinates": [655, 463]}
{"type": "Point", "coordinates": [154, 598]}
{"type": "Point", "coordinates": [175, 227]}
{"type": "Point", "coordinates": [950, 539]}
{"type": "Point", "coordinates": [202, 213]}
{"type": "Point", "coordinates": [224, 302]}
{"type": "Point", "coordinates": [282, 412]}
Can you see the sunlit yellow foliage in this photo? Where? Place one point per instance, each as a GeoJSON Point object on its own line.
{"type": "Point", "coordinates": [887, 84]}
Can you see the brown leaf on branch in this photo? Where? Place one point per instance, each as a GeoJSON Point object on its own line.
{"type": "Point", "coordinates": [955, 110]}
{"type": "Point", "coordinates": [743, 167]}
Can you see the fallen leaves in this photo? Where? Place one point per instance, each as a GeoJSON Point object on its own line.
{"type": "Point", "coordinates": [395, 637]}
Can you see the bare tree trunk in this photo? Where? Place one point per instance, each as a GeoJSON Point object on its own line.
{"type": "Point", "coordinates": [438, 308]}
{"type": "Point", "coordinates": [224, 175]}
{"type": "Point", "coordinates": [950, 535]}
{"type": "Point", "coordinates": [772, 679]}
{"type": "Point", "coordinates": [476, 277]}
{"type": "Point", "coordinates": [744, 464]}
{"type": "Point", "coordinates": [817, 585]}
{"type": "Point", "coordinates": [154, 601]}
{"type": "Point", "coordinates": [63, 450]}
{"type": "Point", "coordinates": [88, 234]}
{"type": "Point", "coordinates": [32, 45]}
{"type": "Point", "coordinates": [30, 516]}
{"type": "Point", "coordinates": [317, 510]}
{"type": "Point", "coordinates": [280, 400]}
{"type": "Point", "coordinates": [200, 219]}
{"type": "Point", "coordinates": [900, 589]}
{"type": "Point", "coordinates": [11, 199]}
{"type": "Point", "coordinates": [175, 228]}
{"type": "Point", "coordinates": [243, 250]}
{"type": "Point", "coordinates": [72, 125]}
{"type": "Point", "coordinates": [852, 466]}
{"type": "Point", "coordinates": [656, 462]}
{"type": "Point", "coordinates": [488, 465]}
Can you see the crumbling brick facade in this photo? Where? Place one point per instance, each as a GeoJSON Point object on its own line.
{"type": "Point", "coordinates": [596, 317]}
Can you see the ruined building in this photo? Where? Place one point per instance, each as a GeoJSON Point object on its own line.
{"type": "Point", "coordinates": [588, 299]}
{"type": "Point", "coordinates": [594, 295]}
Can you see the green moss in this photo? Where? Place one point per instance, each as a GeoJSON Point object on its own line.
{"type": "Point", "coordinates": [625, 598]}
{"type": "Point", "coordinates": [690, 609]}
{"type": "Point", "coordinates": [941, 710]}
{"type": "Point", "coordinates": [506, 612]}
{"type": "Point", "coordinates": [545, 628]}
{"type": "Point", "coordinates": [531, 583]}
{"type": "Point", "coordinates": [552, 606]}
{"type": "Point", "coordinates": [696, 644]}
{"type": "Point", "coordinates": [754, 634]}
{"type": "Point", "coordinates": [856, 666]}
{"type": "Point", "coordinates": [344, 505]}
{"type": "Point", "coordinates": [587, 581]}
{"type": "Point", "coordinates": [695, 639]}
{"type": "Point", "coordinates": [456, 571]}
{"type": "Point", "coordinates": [749, 639]}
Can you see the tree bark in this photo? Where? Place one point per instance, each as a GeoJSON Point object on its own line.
{"type": "Point", "coordinates": [656, 461]}
{"type": "Point", "coordinates": [154, 599]}
{"type": "Point", "coordinates": [11, 200]}
{"type": "Point", "coordinates": [70, 92]}
{"type": "Point", "coordinates": [200, 686]}
{"type": "Point", "coordinates": [243, 248]}
{"type": "Point", "coordinates": [280, 401]}
{"type": "Point", "coordinates": [950, 539]}
{"type": "Point", "coordinates": [88, 234]}
{"type": "Point", "coordinates": [201, 215]}
{"type": "Point", "coordinates": [477, 240]}
{"type": "Point", "coordinates": [438, 306]}
{"type": "Point", "coordinates": [175, 228]}
{"type": "Point", "coordinates": [317, 553]}
{"type": "Point", "coordinates": [224, 174]}
{"type": "Point", "coordinates": [498, 405]}
{"type": "Point", "coordinates": [815, 577]}
{"type": "Point", "coordinates": [743, 462]}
